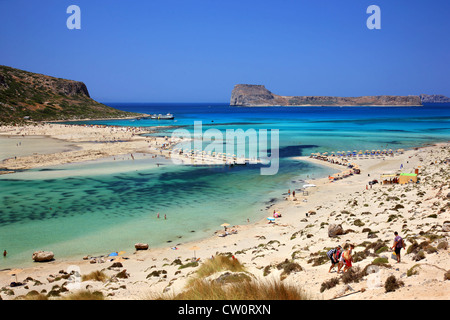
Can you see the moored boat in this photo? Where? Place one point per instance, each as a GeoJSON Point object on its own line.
{"type": "Point", "coordinates": [168, 116]}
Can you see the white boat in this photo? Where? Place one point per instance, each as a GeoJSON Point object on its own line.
{"type": "Point", "coordinates": [168, 116]}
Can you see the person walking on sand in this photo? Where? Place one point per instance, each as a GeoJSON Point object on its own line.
{"type": "Point", "coordinates": [346, 259]}
{"type": "Point", "coordinates": [398, 245]}
{"type": "Point", "coordinates": [334, 255]}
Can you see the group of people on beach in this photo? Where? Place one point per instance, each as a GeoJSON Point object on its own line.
{"type": "Point", "coordinates": [343, 257]}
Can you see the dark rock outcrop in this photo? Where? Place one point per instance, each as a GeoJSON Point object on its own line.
{"type": "Point", "coordinates": [257, 95]}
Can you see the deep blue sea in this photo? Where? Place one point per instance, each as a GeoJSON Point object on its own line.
{"type": "Point", "coordinates": [99, 207]}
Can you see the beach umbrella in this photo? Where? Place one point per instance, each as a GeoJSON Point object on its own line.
{"type": "Point", "coordinates": [15, 272]}
{"type": "Point", "coordinates": [194, 248]}
{"type": "Point", "coordinates": [271, 219]}
{"type": "Point", "coordinates": [225, 225]}
{"type": "Point", "coordinates": [113, 254]}
{"type": "Point", "coordinates": [121, 253]}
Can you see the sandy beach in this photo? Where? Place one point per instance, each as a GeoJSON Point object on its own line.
{"type": "Point", "coordinates": [368, 215]}
{"type": "Point", "coordinates": [76, 144]}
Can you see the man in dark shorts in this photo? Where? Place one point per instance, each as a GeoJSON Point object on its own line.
{"type": "Point", "coordinates": [398, 245]}
{"type": "Point", "coordinates": [334, 255]}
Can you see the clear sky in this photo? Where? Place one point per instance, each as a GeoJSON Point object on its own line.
{"type": "Point", "coordinates": [197, 50]}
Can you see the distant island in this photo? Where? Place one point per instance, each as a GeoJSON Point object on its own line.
{"type": "Point", "coordinates": [30, 96]}
{"type": "Point", "coordinates": [249, 95]}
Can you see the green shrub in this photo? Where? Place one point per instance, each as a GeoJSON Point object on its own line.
{"type": "Point", "coordinates": [392, 284]}
{"type": "Point", "coordinates": [358, 223]}
{"type": "Point", "coordinates": [380, 261]}
{"type": "Point", "coordinates": [328, 284]}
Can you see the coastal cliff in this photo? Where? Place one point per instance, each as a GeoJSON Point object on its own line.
{"type": "Point", "coordinates": [257, 95]}
{"type": "Point", "coordinates": [40, 97]}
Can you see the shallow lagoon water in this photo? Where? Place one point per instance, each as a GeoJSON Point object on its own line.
{"type": "Point", "coordinates": [98, 207]}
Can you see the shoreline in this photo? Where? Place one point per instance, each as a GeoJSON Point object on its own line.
{"type": "Point", "coordinates": [325, 106]}
{"type": "Point", "coordinates": [251, 235]}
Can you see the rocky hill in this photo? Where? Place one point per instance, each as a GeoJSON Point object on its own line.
{"type": "Point", "coordinates": [27, 95]}
{"type": "Point", "coordinates": [434, 98]}
{"type": "Point", "coordinates": [257, 95]}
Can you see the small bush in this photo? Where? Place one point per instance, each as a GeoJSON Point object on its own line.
{"type": "Point", "coordinates": [382, 249]}
{"type": "Point", "coordinates": [95, 276]}
{"type": "Point", "coordinates": [328, 284]}
{"type": "Point", "coordinates": [413, 248]}
{"type": "Point", "coordinates": [219, 263]}
{"type": "Point", "coordinates": [358, 223]}
{"type": "Point", "coordinates": [392, 284]}
{"type": "Point", "coordinates": [85, 295]}
{"type": "Point", "coordinates": [419, 256]}
{"type": "Point", "coordinates": [360, 256]}
{"type": "Point", "coordinates": [443, 245]}
{"type": "Point", "coordinates": [392, 217]}
{"type": "Point", "coordinates": [380, 261]}
{"type": "Point", "coordinates": [413, 270]}
{"type": "Point", "coordinates": [189, 265]}
{"type": "Point", "coordinates": [288, 267]}
{"type": "Point", "coordinates": [447, 275]}
{"type": "Point", "coordinates": [353, 275]}
{"type": "Point", "coordinates": [319, 258]}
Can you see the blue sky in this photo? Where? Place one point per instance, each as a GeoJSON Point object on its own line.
{"type": "Point", "coordinates": [197, 50]}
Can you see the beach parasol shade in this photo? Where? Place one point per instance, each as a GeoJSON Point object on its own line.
{"type": "Point", "coordinates": [194, 248]}
{"type": "Point", "coordinates": [15, 272]}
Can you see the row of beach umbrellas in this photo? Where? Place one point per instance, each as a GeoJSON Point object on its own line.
{"type": "Point", "coordinates": [358, 153]}
{"type": "Point", "coordinates": [209, 153]}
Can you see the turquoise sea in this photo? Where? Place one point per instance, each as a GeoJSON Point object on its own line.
{"type": "Point", "coordinates": [99, 207]}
